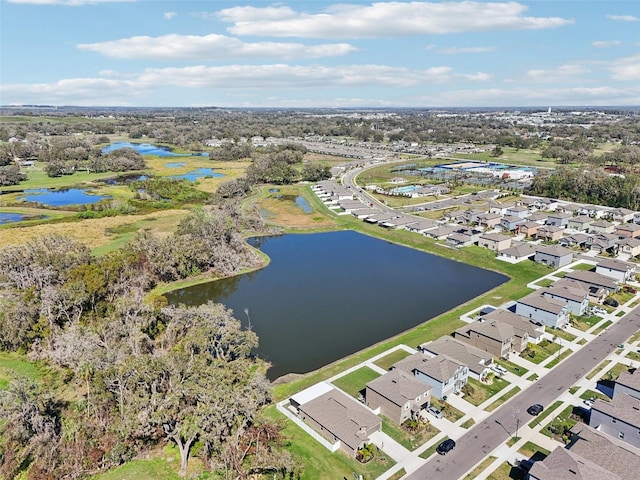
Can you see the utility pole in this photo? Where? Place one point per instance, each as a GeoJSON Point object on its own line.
{"type": "Point", "coordinates": [516, 415]}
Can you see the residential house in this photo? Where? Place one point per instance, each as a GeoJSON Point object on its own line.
{"type": "Point", "coordinates": [538, 217]}
{"type": "Point", "coordinates": [444, 375]}
{"type": "Point", "coordinates": [494, 241]}
{"type": "Point", "coordinates": [578, 240]}
{"type": "Point", "coordinates": [590, 454]}
{"type": "Point", "coordinates": [460, 239]}
{"type": "Point", "coordinates": [528, 229]}
{"type": "Point", "coordinates": [594, 279]}
{"type": "Point", "coordinates": [636, 217]}
{"type": "Point", "coordinates": [619, 418]}
{"type": "Point", "coordinates": [604, 243]}
{"type": "Point", "coordinates": [366, 213]}
{"type": "Point", "coordinates": [570, 208]}
{"type": "Point", "coordinates": [558, 219]}
{"type": "Point", "coordinates": [574, 294]}
{"type": "Point", "coordinates": [543, 310]}
{"type": "Point", "coordinates": [629, 246]}
{"type": "Point", "coordinates": [622, 215]}
{"type": "Point", "coordinates": [340, 419]}
{"type": "Point", "coordinates": [628, 383]}
{"type": "Point", "coordinates": [440, 233]}
{"type": "Point", "coordinates": [400, 222]}
{"type": "Point", "coordinates": [478, 361]}
{"type": "Point", "coordinates": [593, 211]}
{"type": "Point", "coordinates": [551, 233]}
{"type": "Point", "coordinates": [628, 230]}
{"type": "Point", "coordinates": [519, 211]}
{"type": "Point", "coordinates": [617, 269]}
{"type": "Point", "coordinates": [422, 225]}
{"type": "Point", "coordinates": [510, 223]}
{"type": "Point", "coordinates": [381, 217]}
{"type": "Point", "coordinates": [500, 208]}
{"type": "Point", "coordinates": [602, 226]}
{"type": "Point", "coordinates": [524, 330]}
{"type": "Point", "coordinates": [554, 256]}
{"type": "Point", "coordinates": [489, 220]}
{"type": "Point", "coordinates": [472, 215]}
{"type": "Point", "coordinates": [488, 335]}
{"type": "Point", "coordinates": [518, 252]}
{"type": "Point", "coordinates": [581, 223]}
{"type": "Point", "coordinates": [398, 395]}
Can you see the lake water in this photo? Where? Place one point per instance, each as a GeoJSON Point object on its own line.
{"type": "Point", "coordinates": [6, 217]}
{"type": "Point", "coordinates": [149, 149]}
{"type": "Point", "coordinates": [199, 173]}
{"type": "Point", "coordinates": [303, 204]}
{"type": "Point", "coordinates": [327, 295]}
{"type": "Point", "coordinates": [61, 198]}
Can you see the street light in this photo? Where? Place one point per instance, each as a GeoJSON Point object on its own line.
{"type": "Point", "coordinates": [516, 415]}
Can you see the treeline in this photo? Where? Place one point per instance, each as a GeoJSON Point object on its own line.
{"type": "Point", "coordinates": [594, 185]}
{"type": "Point", "coordinates": [133, 372]}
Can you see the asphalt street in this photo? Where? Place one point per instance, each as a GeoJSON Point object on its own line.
{"type": "Point", "coordinates": [483, 438]}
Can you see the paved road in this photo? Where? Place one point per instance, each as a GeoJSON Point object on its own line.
{"type": "Point", "coordinates": [486, 436]}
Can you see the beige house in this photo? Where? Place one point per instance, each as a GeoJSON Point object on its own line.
{"type": "Point", "coordinates": [494, 241]}
{"type": "Point", "coordinates": [524, 331]}
{"type": "Point", "coordinates": [628, 230]}
{"type": "Point", "coordinates": [550, 233]}
{"type": "Point", "coordinates": [398, 395]}
{"type": "Point", "coordinates": [478, 361]}
{"type": "Point", "coordinates": [488, 335]}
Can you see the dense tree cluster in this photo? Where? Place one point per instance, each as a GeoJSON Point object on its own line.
{"type": "Point", "coordinates": [134, 371]}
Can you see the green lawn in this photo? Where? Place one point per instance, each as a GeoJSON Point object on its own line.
{"type": "Point", "coordinates": [584, 323]}
{"type": "Point", "coordinates": [356, 381]}
{"type": "Point", "coordinates": [432, 449]}
{"type": "Point", "coordinates": [614, 373]}
{"type": "Point", "coordinates": [388, 360]}
{"type": "Point", "coordinates": [512, 367]}
{"type": "Point", "coordinates": [514, 391]}
{"type": "Point", "coordinates": [558, 358]}
{"type": "Point", "coordinates": [560, 424]}
{"type": "Point", "coordinates": [449, 412]}
{"type": "Point", "coordinates": [506, 472]}
{"type": "Point", "coordinates": [483, 391]}
{"type": "Point", "coordinates": [408, 440]}
{"type": "Point", "coordinates": [533, 451]}
{"type": "Point", "coordinates": [541, 351]}
{"type": "Point", "coordinates": [584, 266]}
{"type": "Point", "coordinates": [558, 332]}
{"type": "Point", "coordinates": [594, 394]}
{"type": "Point", "coordinates": [141, 470]}
{"type": "Point", "coordinates": [13, 365]}
{"type": "Point", "coordinates": [545, 282]}
{"type": "Point", "coordinates": [468, 423]}
{"type": "Point", "coordinates": [597, 370]}
{"type": "Point", "coordinates": [480, 468]}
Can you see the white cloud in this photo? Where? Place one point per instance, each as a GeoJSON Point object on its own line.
{"type": "Point", "coordinates": [457, 50]}
{"type": "Point", "coordinates": [623, 18]}
{"type": "Point", "coordinates": [561, 73]}
{"type": "Point", "coordinates": [67, 3]}
{"type": "Point", "coordinates": [385, 19]}
{"type": "Point", "coordinates": [606, 43]}
{"type": "Point", "coordinates": [210, 47]}
{"type": "Point", "coordinates": [170, 15]}
{"type": "Point", "coordinates": [627, 68]}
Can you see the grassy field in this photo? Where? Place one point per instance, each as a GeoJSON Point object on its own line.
{"type": "Point", "coordinates": [483, 391]}
{"type": "Point", "coordinates": [13, 366]}
{"type": "Point", "coordinates": [542, 351]}
{"type": "Point", "coordinates": [353, 383]}
{"type": "Point", "coordinates": [511, 367]}
{"type": "Point", "coordinates": [480, 468]}
{"type": "Point", "coordinates": [410, 441]}
{"type": "Point", "coordinates": [388, 360]}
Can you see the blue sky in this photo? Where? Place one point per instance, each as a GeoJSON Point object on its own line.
{"type": "Point", "coordinates": [319, 53]}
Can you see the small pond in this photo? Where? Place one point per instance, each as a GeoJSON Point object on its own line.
{"type": "Point", "coordinates": [6, 217]}
{"type": "Point", "coordinates": [327, 295]}
{"type": "Point", "coordinates": [149, 149]}
{"type": "Point", "coordinates": [61, 198]}
{"type": "Point", "coordinates": [175, 164]}
{"type": "Point", "coordinates": [303, 204]}
{"type": "Point", "coordinates": [194, 175]}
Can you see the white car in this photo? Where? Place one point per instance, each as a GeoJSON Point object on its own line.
{"type": "Point", "coordinates": [588, 403]}
{"type": "Point", "coordinates": [499, 369]}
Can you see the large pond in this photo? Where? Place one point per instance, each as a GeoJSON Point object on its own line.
{"type": "Point", "coordinates": [149, 149]}
{"type": "Point", "coordinates": [61, 198]}
{"type": "Point", "coordinates": [327, 295]}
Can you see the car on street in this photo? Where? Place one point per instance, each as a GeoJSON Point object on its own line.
{"type": "Point", "coordinates": [435, 412]}
{"type": "Point", "coordinates": [446, 446]}
{"type": "Point", "coordinates": [535, 409]}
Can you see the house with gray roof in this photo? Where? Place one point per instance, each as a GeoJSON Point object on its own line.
{"type": "Point", "coordinates": [457, 239]}
{"type": "Point", "coordinates": [619, 418]}
{"type": "Point", "coordinates": [441, 232]}
{"type": "Point", "coordinates": [400, 222]}
{"type": "Point", "coordinates": [543, 310]}
{"type": "Point", "coordinates": [594, 279]}
{"type": "Point", "coordinates": [509, 223]}
{"type": "Point", "coordinates": [422, 225]}
{"type": "Point", "coordinates": [574, 294]}
{"type": "Point", "coordinates": [602, 226]}
{"type": "Point", "coordinates": [488, 335]}
{"type": "Point", "coordinates": [558, 219]}
{"type": "Point", "coordinates": [628, 230]}
{"type": "Point", "coordinates": [488, 220]}
{"type": "Point", "coordinates": [581, 223]}
{"type": "Point", "coordinates": [617, 269]}
{"type": "Point", "coordinates": [444, 375]}
{"type": "Point", "coordinates": [578, 240]}
{"type": "Point", "coordinates": [555, 256]}
{"type": "Point", "coordinates": [398, 395]}
{"type": "Point", "coordinates": [550, 233]}
{"type": "Point", "coordinates": [629, 246]}
{"type": "Point", "coordinates": [478, 361]}
{"type": "Point", "coordinates": [622, 215]}
{"type": "Point", "coordinates": [518, 252]}
{"type": "Point", "coordinates": [524, 330]}
{"type": "Point", "coordinates": [494, 241]}
{"type": "Point", "coordinates": [603, 243]}
{"type": "Point", "coordinates": [629, 383]}
{"type": "Point", "coordinates": [590, 455]}
{"type": "Point", "coordinates": [340, 418]}
{"type": "Point", "coordinates": [529, 228]}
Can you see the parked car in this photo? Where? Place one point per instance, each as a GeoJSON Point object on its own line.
{"type": "Point", "coordinates": [612, 302]}
{"type": "Point", "coordinates": [499, 369]}
{"type": "Point", "coordinates": [525, 465]}
{"type": "Point", "coordinates": [628, 289]}
{"type": "Point", "coordinates": [535, 409]}
{"type": "Point", "coordinates": [446, 446]}
{"type": "Point", "coordinates": [435, 412]}
{"type": "Point", "coordinates": [588, 403]}
{"type": "Point", "coordinates": [598, 311]}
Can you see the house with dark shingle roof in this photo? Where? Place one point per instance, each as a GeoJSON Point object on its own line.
{"type": "Point", "coordinates": [488, 335]}
{"type": "Point", "coordinates": [593, 279]}
{"type": "Point", "coordinates": [550, 233]}
{"type": "Point", "coordinates": [543, 310]}
{"type": "Point", "coordinates": [616, 269]}
{"type": "Point", "coordinates": [619, 417]}
{"type": "Point", "coordinates": [444, 375]}
{"type": "Point", "coordinates": [629, 383]}
{"type": "Point", "coordinates": [518, 252]}
{"type": "Point", "coordinates": [399, 395]}
{"type": "Point", "coordinates": [478, 361]}
{"type": "Point", "coordinates": [574, 294]}
{"type": "Point", "coordinates": [524, 330]}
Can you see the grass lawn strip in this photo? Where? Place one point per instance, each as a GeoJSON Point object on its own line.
{"type": "Point", "coordinates": [602, 327]}
{"type": "Point", "coordinates": [482, 391]}
{"type": "Point", "coordinates": [594, 394]}
{"type": "Point", "coordinates": [559, 358]}
{"type": "Point", "coordinates": [512, 367]}
{"type": "Point", "coordinates": [542, 351]}
{"type": "Point", "coordinates": [503, 399]}
{"type": "Point", "coordinates": [506, 472]}
{"type": "Point", "coordinates": [560, 424]}
{"type": "Point", "coordinates": [558, 332]}
{"type": "Point", "coordinates": [482, 466]}
{"type": "Point", "coordinates": [388, 360]}
{"type": "Point", "coordinates": [408, 440]}
{"type": "Point", "coordinates": [432, 449]}
{"type": "Point", "coordinates": [449, 412]}
{"type": "Point", "coordinates": [547, 411]}
{"type": "Point", "coordinates": [614, 372]}
{"type": "Point", "coordinates": [597, 370]}
{"type": "Point", "coordinates": [584, 323]}
{"type": "Point", "coordinates": [353, 383]}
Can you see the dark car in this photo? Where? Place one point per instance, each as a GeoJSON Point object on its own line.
{"type": "Point", "coordinates": [446, 446]}
{"type": "Point", "coordinates": [612, 302]}
{"type": "Point", "coordinates": [535, 409]}
{"type": "Point", "coordinates": [526, 465]}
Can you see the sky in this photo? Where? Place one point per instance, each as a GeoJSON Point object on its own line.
{"type": "Point", "coordinates": [299, 54]}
